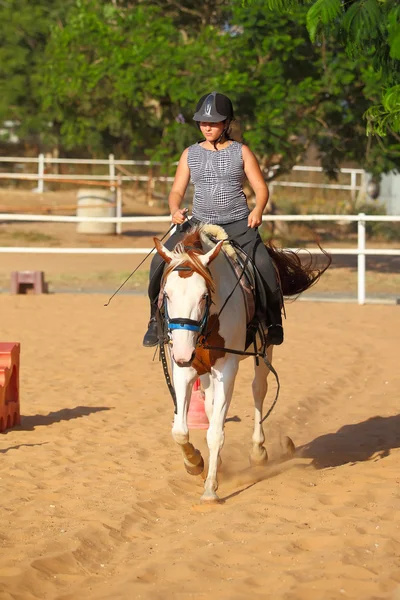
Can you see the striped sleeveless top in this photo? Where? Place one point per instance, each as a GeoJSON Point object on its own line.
{"type": "Point", "coordinates": [217, 178]}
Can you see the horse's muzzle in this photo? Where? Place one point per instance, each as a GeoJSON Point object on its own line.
{"type": "Point", "coordinates": [185, 363]}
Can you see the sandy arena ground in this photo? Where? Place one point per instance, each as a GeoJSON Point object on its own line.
{"type": "Point", "coordinates": [96, 504]}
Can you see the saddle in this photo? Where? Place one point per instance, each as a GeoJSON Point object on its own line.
{"type": "Point", "coordinates": [250, 282]}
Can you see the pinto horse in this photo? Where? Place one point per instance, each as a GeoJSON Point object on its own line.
{"type": "Point", "coordinates": [201, 300]}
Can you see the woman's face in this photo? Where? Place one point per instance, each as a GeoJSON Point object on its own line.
{"type": "Point", "coordinates": [212, 131]}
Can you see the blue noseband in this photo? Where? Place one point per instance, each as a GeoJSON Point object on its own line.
{"type": "Point", "coordinates": [186, 324]}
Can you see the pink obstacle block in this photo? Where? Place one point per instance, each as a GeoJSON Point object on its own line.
{"type": "Point", "coordinates": [21, 281]}
{"type": "Point", "coordinates": [197, 417]}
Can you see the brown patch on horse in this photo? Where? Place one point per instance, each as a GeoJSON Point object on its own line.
{"type": "Point", "coordinates": [204, 359]}
{"type": "Point", "coordinates": [187, 273]}
{"type": "Point", "coordinates": [192, 241]}
{"type": "Point", "coordinates": [190, 259]}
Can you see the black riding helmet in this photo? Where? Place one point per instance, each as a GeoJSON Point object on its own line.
{"type": "Point", "coordinates": [213, 108]}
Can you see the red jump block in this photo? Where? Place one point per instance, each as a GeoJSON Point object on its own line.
{"type": "Point", "coordinates": [9, 385]}
{"type": "Point", "coordinates": [21, 281]}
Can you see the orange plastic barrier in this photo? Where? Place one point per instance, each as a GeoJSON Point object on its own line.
{"type": "Point", "coordinates": [9, 385]}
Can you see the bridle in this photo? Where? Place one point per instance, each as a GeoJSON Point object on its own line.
{"type": "Point", "coordinates": [181, 323]}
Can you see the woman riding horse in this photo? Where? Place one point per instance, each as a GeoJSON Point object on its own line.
{"type": "Point", "coordinates": [217, 167]}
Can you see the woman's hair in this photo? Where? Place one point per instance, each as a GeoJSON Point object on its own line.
{"type": "Point", "coordinates": [225, 135]}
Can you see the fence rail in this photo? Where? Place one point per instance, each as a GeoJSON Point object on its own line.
{"type": "Point", "coordinates": [361, 251]}
{"type": "Point", "coordinates": [41, 177]}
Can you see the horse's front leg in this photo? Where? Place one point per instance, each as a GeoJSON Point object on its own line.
{"type": "Point", "coordinates": [183, 378]}
{"type": "Point", "coordinates": [258, 455]}
{"type": "Point", "coordinates": [207, 384]}
{"type": "Point", "coordinates": [223, 380]}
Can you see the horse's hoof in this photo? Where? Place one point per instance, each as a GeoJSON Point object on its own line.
{"type": "Point", "coordinates": [195, 469]}
{"type": "Point", "coordinates": [210, 498]}
{"type": "Point", "coordinates": [288, 447]}
{"type": "Point", "coordinates": [259, 460]}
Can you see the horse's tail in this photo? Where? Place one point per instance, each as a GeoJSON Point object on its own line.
{"type": "Point", "coordinates": [296, 275]}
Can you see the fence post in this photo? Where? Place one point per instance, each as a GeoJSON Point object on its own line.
{"type": "Point", "coordinates": [119, 204]}
{"type": "Point", "coordinates": [40, 186]}
{"type": "Point", "coordinates": [353, 184]}
{"type": "Point", "coordinates": [150, 186]}
{"type": "Point", "coordinates": [364, 183]}
{"type": "Point", "coordinates": [361, 259]}
{"type": "Point", "coordinates": [271, 190]}
{"type": "Point", "coordinates": [112, 170]}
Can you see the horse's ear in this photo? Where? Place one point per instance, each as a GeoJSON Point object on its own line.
{"type": "Point", "coordinates": [206, 259]}
{"type": "Point", "coordinates": [165, 254]}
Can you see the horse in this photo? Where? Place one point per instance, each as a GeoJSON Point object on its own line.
{"type": "Point", "coordinates": [205, 325]}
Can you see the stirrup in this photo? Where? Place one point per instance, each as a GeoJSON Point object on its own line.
{"type": "Point", "coordinates": [151, 336]}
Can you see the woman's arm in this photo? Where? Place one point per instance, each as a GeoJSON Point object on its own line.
{"type": "Point", "coordinates": [257, 182]}
{"type": "Point", "coordinates": [181, 181]}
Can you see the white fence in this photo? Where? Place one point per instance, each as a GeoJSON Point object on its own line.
{"type": "Point", "coordinates": [361, 251]}
{"type": "Point", "coordinates": [357, 177]}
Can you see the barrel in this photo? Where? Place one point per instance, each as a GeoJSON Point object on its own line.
{"type": "Point", "coordinates": [96, 202]}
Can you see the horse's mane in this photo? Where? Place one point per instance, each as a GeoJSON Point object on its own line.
{"type": "Point", "coordinates": [186, 254]}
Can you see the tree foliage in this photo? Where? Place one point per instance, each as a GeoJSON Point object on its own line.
{"type": "Point", "coordinates": [120, 77]}
{"type": "Point", "coordinates": [368, 29]}
{"type": "Point", "coordinates": [123, 76]}
{"type": "Point", "coordinates": [24, 33]}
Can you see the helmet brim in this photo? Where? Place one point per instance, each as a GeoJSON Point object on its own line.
{"type": "Point", "coordinates": [208, 119]}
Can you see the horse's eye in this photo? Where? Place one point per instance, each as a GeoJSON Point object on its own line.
{"type": "Point", "coordinates": [166, 296]}
{"type": "Point", "coordinates": [205, 296]}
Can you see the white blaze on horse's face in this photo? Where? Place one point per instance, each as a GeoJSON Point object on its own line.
{"type": "Point", "coordinates": [186, 299]}
{"type": "Point", "coordinates": [186, 295]}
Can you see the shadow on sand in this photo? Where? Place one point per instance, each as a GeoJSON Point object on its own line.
{"type": "Point", "coordinates": [5, 450]}
{"type": "Point", "coordinates": [28, 423]}
{"type": "Point", "coordinates": [371, 439]}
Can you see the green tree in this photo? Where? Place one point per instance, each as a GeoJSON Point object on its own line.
{"type": "Point", "coordinates": [368, 29]}
{"type": "Point", "coordinates": [97, 76]}
{"type": "Point", "coordinates": [292, 94]}
{"type": "Point", "coordinates": [24, 31]}
{"type": "Point", "coordinates": [119, 78]}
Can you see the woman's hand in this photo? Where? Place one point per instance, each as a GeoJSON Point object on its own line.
{"type": "Point", "coordinates": [255, 218]}
{"type": "Point", "coordinates": [179, 216]}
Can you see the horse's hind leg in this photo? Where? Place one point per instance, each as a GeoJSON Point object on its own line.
{"type": "Point", "coordinates": [258, 455]}
{"type": "Point", "coordinates": [183, 380]}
